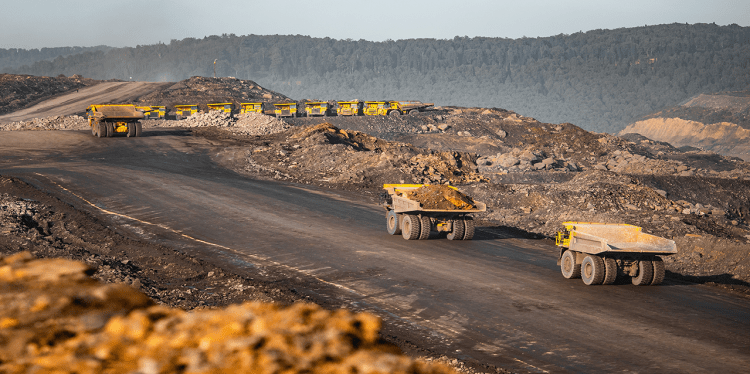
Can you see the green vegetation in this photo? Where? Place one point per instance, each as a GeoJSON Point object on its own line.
{"type": "Point", "coordinates": [601, 80]}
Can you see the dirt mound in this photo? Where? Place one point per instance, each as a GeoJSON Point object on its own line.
{"type": "Point", "coordinates": [440, 197]}
{"type": "Point", "coordinates": [326, 155]}
{"type": "Point", "coordinates": [203, 90]}
{"type": "Point", "coordinates": [724, 138]}
{"type": "Point", "coordinates": [20, 91]}
{"type": "Point", "coordinates": [54, 318]}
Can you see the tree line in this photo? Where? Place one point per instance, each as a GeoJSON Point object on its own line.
{"type": "Point", "coordinates": [600, 80]}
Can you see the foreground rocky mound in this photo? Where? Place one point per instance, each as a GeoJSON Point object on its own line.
{"type": "Point", "coordinates": [50, 123]}
{"type": "Point", "coordinates": [54, 318]}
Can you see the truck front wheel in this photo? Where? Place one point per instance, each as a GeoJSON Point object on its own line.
{"type": "Point", "coordinates": [568, 265]}
{"type": "Point", "coordinates": [592, 270]}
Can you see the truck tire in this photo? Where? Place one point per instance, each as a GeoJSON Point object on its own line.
{"type": "Point", "coordinates": [101, 132]}
{"type": "Point", "coordinates": [413, 112]}
{"type": "Point", "coordinates": [392, 223]}
{"type": "Point", "coordinates": [138, 129]}
{"type": "Point", "coordinates": [592, 270]}
{"type": "Point", "coordinates": [394, 113]}
{"type": "Point", "coordinates": [458, 230]}
{"type": "Point", "coordinates": [425, 226]}
{"type": "Point", "coordinates": [410, 227]}
{"type": "Point", "coordinates": [568, 266]}
{"type": "Point", "coordinates": [468, 228]}
{"type": "Point", "coordinates": [94, 127]}
{"type": "Point", "coordinates": [645, 273]}
{"type": "Point", "coordinates": [610, 270]}
{"type": "Point", "coordinates": [131, 130]}
{"type": "Point", "coordinates": [659, 270]}
{"type": "Point", "coordinates": [110, 129]}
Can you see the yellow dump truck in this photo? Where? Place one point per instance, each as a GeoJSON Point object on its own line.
{"type": "Point", "coordinates": [108, 120]}
{"type": "Point", "coordinates": [316, 108]}
{"type": "Point", "coordinates": [153, 111]}
{"type": "Point", "coordinates": [600, 252]}
{"type": "Point", "coordinates": [221, 107]}
{"type": "Point", "coordinates": [251, 108]}
{"type": "Point", "coordinates": [407, 107]}
{"type": "Point", "coordinates": [376, 108]}
{"type": "Point", "coordinates": [412, 219]}
{"type": "Point", "coordinates": [348, 108]}
{"type": "Point", "coordinates": [285, 110]}
{"type": "Point", "coordinates": [185, 110]}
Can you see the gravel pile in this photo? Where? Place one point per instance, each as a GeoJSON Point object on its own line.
{"type": "Point", "coordinates": [50, 123]}
{"type": "Point", "coordinates": [243, 124]}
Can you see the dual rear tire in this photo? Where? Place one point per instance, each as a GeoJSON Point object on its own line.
{"type": "Point", "coordinates": [414, 227]}
{"type": "Point", "coordinates": [595, 269]}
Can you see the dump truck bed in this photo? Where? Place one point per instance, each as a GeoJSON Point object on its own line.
{"type": "Point", "coordinates": [117, 112]}
{"type": "Point", "coordinates": [594, 238]}
{"type": "Point", "coordinates": [405, 205]}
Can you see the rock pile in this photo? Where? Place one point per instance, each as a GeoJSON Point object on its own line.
{"type": "Point", "coordinates": [50, 123]}
{"type": "Point", "coordinates": [440, 197]}
{"type": "Point", "coordinates": [54, 318]}
{"type": "Point", "coordinates": [243, 124]}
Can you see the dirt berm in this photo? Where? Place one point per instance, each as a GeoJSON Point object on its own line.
{"type": "Point", "coordinates": [55, 319]}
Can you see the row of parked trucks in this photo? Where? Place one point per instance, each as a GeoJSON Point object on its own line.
{"type": "Point", "coordinates": [314, 108]}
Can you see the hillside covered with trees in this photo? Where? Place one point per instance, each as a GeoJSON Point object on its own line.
{"type": "Point", "coordinates": [601, 79]}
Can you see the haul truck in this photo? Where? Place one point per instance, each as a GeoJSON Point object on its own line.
{"type": "Point", "coordinates": [185, 110]}
{"type": "Point", "coordinates": [404, 107]}
{"type": "Point", "coordinates": [376, 108]}
{"type": "Point", "coordinates": [285, 110]}
{"type": "Point", "coordinates": [221, 107]}
{"type": "Point", "coordinates": [599, 252]}
{"type": "Point", "coordinates": [349, 108]}
{"type": "Point", "coordinates": [407, 217]}
{"type": "Point", "coordinates": [251, 108]}
{"type": "Point", "coordinates": [316, 108]}
{"type": "Point", "coordinates": [111, 119]}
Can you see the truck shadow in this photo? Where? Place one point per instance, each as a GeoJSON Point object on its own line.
{"type": "Point", "coordinates": [725, 280]}
{"type": "Point", "coordinates": [504, 232]}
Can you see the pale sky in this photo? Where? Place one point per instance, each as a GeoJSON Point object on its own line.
{"type": "Point", "coordinates": [57, 23]}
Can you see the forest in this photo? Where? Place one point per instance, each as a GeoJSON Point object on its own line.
{"type": "Point", "coordinates": [601, 80]}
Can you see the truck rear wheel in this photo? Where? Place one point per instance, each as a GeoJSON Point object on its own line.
{"type": "Point", "coordinates": [138, 129]}
{"type": "Point", "coordinates": [101, 132]}
{"type": "Point", "coordinates": [659, 271]}
{"type": "Point", "coordinates": [568, 265]}
{"type": "Point", "coordinates": [410, 227]}
{"type": "Point", "coordinates": [131, 130]}
{"type": "Point", "coordinates": [457, 233]}
{"type": "Point", "coordinates": [392, 223]}
{"type": "Point", "coordinates": [610, 270]}
{"type": "Point", "coordinates": [413, 112]}
{"type": "Point", "coordinates": [645, 273]}
{"type": "Point", "coordinates": [425, 227]}
{"type": "Point", "coordinates": [592, 270]}
{"type": "Point", "coordinates": [468, 228]}
{"type": "Point", "coordinates": [110, 129]}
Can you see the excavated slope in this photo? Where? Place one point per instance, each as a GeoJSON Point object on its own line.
{"type": "Point", "coordinates": [723, 138]}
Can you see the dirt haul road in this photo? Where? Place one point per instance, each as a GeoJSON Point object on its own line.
{"type": "Point", "coordinates": [498, 299]}
{"type": "Point", "coordinates": [78, 101]}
